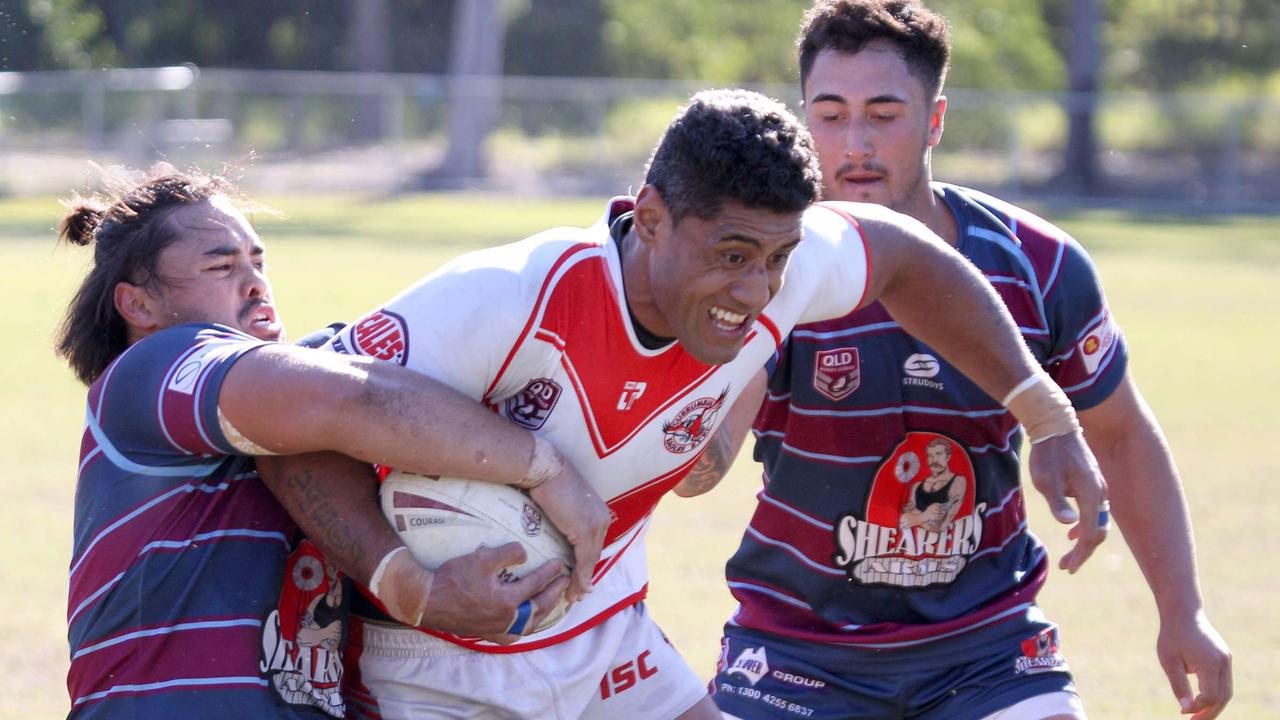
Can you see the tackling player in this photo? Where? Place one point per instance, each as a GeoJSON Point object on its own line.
{"type": "Point", "coordinates": [625, 343]}
{"type": "Point", "coordinates": [184, 601]}
{"type": "Point", "coordinates": [855, 610]}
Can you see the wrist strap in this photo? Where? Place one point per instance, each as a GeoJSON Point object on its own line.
{"type": "Point", "coordinates": [1042, 408]}
{"type": "Point", "coordinates": [545, 464]}
{"type": "Point", "coordinates": [375, 582]}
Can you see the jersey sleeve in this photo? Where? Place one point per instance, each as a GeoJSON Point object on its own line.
{"type": "Point", "coordinates": [160, 399]}
{"type": "Point", "coordinates": [828, 273]}
{"type": "Point", "coordinates": [459, 324]}
{"type": "Point", "coordinates": [1089, 356]}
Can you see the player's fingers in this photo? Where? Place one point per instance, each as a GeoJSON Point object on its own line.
{"type": "Point", "coordinates": [548, 599]}
{"type": "Point", "coordinates": [504, 555]}
{"type": "Point", "coordinates": [1215, 691]}
{"type": "Point", "coordinates": [584, 567]}
{"type": "Point", "coordinates": [1178, 681]}
{"type": "Point", "coordinates": [1051, 486]}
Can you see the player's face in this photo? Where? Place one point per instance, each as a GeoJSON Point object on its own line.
{"type": "Point", "coordinates": [711, 278]}
{"type": "Point", "coordinates": [216, 272]}
{"type": "Point", "coordinates": [873, 126]}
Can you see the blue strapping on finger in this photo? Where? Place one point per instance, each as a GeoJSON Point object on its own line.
{"type": "Point", "coordinates": [523, 613]}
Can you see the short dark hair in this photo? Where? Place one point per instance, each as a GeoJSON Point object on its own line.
{"type": "Point", "coordinates": [734, 145]}
{"type": "Point", "coordinates": [848, 25]}
{"type": "Point", "coordinates": [128, 230]}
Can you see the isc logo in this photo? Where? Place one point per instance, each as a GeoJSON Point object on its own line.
{"type": "Point", "coordinates": [625, 676]}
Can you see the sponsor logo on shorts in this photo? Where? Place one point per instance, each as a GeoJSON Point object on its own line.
{"type": "Point", "coordinates": [531, 407]}
{"type": "Point", "coordinates": [800, 680]}
{"type": "Point", "coordinates": [837, 373]}
{"type": "Point", "coordinates": [752, 665]}
{"type": "Point", "coordinates": [1040, 654]}
{"type": "Point", "coordinates": [919, 369]}
{"type": "Point", "coordinates": [627, 675]}
{"type": "Point", "coordinates": [693, 424]}
{"type": "Point", "coordinates": [383, 335]}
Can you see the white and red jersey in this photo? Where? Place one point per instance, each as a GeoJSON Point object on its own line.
{"type": "Point", "coordinates": [539, 331]}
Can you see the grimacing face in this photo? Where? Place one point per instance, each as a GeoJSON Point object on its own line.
{"type": "Point", "coordinates": [710, 278]}
{"type": "Point", "coordinates": [873, 126]}
{"type": "Point", "coordinates": [216, 272]}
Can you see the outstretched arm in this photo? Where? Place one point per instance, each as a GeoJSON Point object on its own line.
{"type": "Point", "coordinates": [939, 297]}
{"type": "Point", "coordinates": [1149, 506]}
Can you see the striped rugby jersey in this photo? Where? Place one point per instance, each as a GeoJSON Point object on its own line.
{"type": "Point", "coordinates": [179, 548]}
{"type": "Point", "coordinates": [891, 514]}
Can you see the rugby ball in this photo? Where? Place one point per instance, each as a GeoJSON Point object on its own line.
{"type": "Point", "coordinates": [442, 518]}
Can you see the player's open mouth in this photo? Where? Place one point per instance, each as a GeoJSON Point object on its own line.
{"type": "Point", "coordinates": [261, 317]}
{"type": "Point", "coordinates": [727, 321]}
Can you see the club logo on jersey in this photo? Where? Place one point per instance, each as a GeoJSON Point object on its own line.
{"type": "Point", "coordinates": [302, 636]}
{"type": "Point", "coordinates": [1097, 341]}
{"type": "Point", "coordinates": [752, 665]}
{"type": "Point", "coordinates": [920, 369]}
{"type": "Point", "coordinates": [837, 373]}
{"type": "Point", "coordinates": [693, 424]}
{"type": "Point", "coordinates": [383, 335]}
{"type": "Point", "coordinates": [531, 407]}
{"type": "Point", "coordinates": [1040, 654]}
{"type": "Point", "coordinates": [921, 523]}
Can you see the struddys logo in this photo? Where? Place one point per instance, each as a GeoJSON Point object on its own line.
{"type": "Point", "coordinates": [531, 407]}
{"type": "Point", "coordinates": [693, 424]}
{"type": "Point", "coordinates": [921, 523]}
{"type": "Point", "coordinates": [837, 373]}
{"type": "Point", "coordinates": [383, 335]}
{"type": "Point", "coordinates": [1040, 654]}
{"type": "Point", "coordinates": [302, 637]}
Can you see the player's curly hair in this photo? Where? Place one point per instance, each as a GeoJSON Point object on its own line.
{"type": "Point", "coordinates": [128, 229]}
{"type": "Point", "coordinates": [734, 145]}
{"type": "Point", "coordinates": [848, 25]}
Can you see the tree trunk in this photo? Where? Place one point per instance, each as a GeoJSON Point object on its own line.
{"type": "Point", "coordinates": [1080, 166]}
{"type": "Point", "coordinates": [475, 90]}
{"type": "Point", "coordinates": [370, 43]}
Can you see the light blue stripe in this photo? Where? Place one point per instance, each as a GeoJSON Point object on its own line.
{"type": "Point", "coordinates": [898, 411]}
{"type": "Point", "coordinates": [849, 332]}
{"type": "Point", "coordinates": [152, 632]}
{"type": "Point", "coordinates": [791, 550]}
{"type": "Point", "coordinates": [173, 544]}
{"type": "Point", "coordinates": [124, 463]}
{"type": "Point", "coordinates": [180, 682]}
{"type": "Point", "coordinates": [96, 593]}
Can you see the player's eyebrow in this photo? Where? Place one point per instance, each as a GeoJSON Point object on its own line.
{"type": "Point", "coordinates": [887, 98]}
{"type": "Point", "coordinates": [227, 250]}
{"type": "Point", "coordinates": [829, 97]}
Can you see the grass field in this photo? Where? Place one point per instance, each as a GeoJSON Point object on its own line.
{"type": "Point", "coordinates": [1198, 300]}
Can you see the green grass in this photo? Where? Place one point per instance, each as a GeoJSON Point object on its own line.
{"type": "Point", "coordinates": [1197, 299]}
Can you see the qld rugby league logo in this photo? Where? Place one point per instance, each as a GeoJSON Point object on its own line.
{"type": "Point", "coordinates": [383, 335]}
{"type": "Point", "coordinates": [693, 424]}
{"type": "Point", "coordinates": [531, 407]}
{"type": "Point", "coordinates": [837, 373]}
{"type": "Point", "coordinates": [921, 522]}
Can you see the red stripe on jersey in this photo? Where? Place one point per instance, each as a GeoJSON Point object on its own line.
{"type": "Point", "coordinates": [177, 518]}
{"type": "Point", "coordinates": [546, 288]}
{"type": "Point", "coordinates": [483, 646]}
{"type": "Point", "coordinates": [634, 505]}
{"type": "Point", "coordinates": [195, 652]}
{"type": "Point", "coordinates": [771, 327]}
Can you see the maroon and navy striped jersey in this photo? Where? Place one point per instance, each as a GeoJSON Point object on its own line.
{"type": "Point", "coordinates": [179, 548]}
{"type": "Point", "coordinates": [891, 514]}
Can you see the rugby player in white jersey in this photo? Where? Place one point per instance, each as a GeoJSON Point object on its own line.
{"type": "Point", "coordinates": [624, 344]}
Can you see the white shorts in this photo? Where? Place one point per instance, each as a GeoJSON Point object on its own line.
{"type": "Point", "coordinates": [622, 668]}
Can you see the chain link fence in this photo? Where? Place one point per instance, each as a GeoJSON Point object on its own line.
{"type": "Point", "coordinates": [383, 133]}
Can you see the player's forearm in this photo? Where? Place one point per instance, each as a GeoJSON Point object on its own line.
{"type": "Point", "coordinates": [333, 499]}
{"type": "Point", "coordinates": [938, 297]}
{"type": "Point", "coordinates": [1150, 509]}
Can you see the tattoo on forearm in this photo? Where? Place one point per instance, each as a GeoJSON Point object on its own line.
{"type": "Point", "coordinates": [711, 467]}
{"type": "Point", "coordinates": [320, 516]}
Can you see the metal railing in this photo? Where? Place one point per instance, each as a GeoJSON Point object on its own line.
{"type": "Point", "coordinates": [381, 132]}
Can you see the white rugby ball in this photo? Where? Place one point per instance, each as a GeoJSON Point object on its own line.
{"type": "Point", "coordinates": [442, 518]}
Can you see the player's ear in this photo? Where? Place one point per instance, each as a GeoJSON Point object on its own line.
{"type": "Point", "coordinates": [139, 308]}
{"type": "Point", "coordinates": [652, 217]}
{"type": "Point", "coordinates": [936, 117]}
